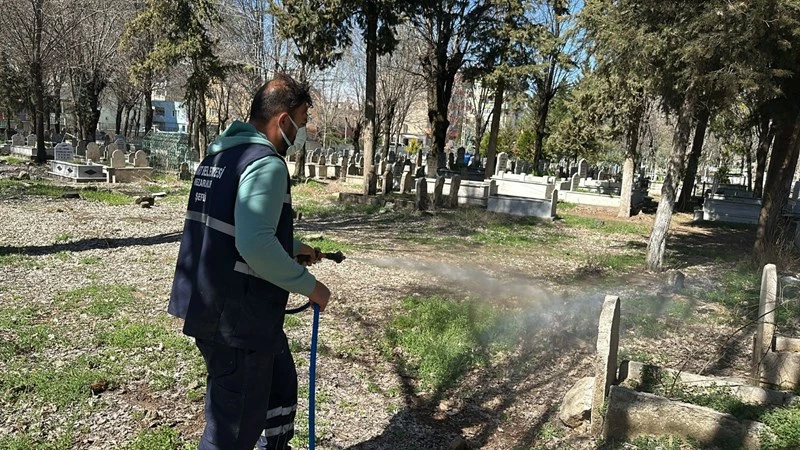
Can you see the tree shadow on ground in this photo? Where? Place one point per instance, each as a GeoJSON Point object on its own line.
{"type": "Point", "coordinates": [91, 244]}
{"type": "Point", "coordinates": [704, 242]}
{"type": "Point", "coordinates": [546, 355]}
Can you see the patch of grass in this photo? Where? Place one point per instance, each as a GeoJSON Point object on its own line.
{"type": "Point", "coordinates": [161, 438]}
{"type": "Point", "coordinates": [738, 290]}
{"type": "Point", "coordinates": [99, 300]}
{"type": "Point", "coordinates": [111, 198]}
{"type": "Point", "coordinates": [29, 441]}
{"type": "Point", "coordinates": [22, 332]}
{"type": "Point", "coordinates": [516, 236]}
{"type": "Point", "coordinates": [292, 321]}
{"type": "Point", "coordinates": [60, 386]}
{"type": "Point", "coordinates": [63, 237]}
{"type": "Point", "coordinates": [125, 334]}
{"type": "Point", "coordinates": [18, 260]}
{"type": "Point", "coordinates": [785, 423]}
{"type": "Point", "coordinates": [441, 339]}
{"type": "Point", "coordinates": [604, 225]}
{"type": "Point", "coordinates": [14, 160]}
{"type": "Point", "coordinates": [653, 443]}
{"type": "Point", "coordinates": [90, 260]}
{"type": "Point", "coordinates": [652, 316]}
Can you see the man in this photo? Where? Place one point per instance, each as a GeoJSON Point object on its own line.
{"type": "Point", "coordinates": [235, 271]}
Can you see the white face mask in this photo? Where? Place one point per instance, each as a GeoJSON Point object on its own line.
{"type": "Point", "coordinates": [299, 138]}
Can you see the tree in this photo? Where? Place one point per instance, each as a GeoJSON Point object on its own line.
{"type": "Point", "coordinates": [184, 38]}
{"type": "Point", "coordinates": [32, 31]}
{"type": "Point", "coordinates": [451, 33]}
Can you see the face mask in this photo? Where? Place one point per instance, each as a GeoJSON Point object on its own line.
{"type": "Point", "coordinates": [299, 138]}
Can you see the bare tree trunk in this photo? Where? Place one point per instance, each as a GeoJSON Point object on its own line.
{"type": "Point", "coordinates": [771, 226]}
{"type": "Point", "coordinates": [371, 91]}
{"type": "Point", "coordinates": [685, 201]}
{"type": "Point", "coordinates": [38, 84]}
{"type": "Point", "coordinates": [148, 110]}
{"type": "Point", "coordinates": [629, 167]}
{"type": "Point", "coordinates": [765, 137]}
{"type": "Point", "coordinates": [491, 151]}
{"type": "Point", "coordinates": [118, 118]}
{"type": "Point", "coordinates": [658, 238]}
{"type": "Point", "coordinates": [300, 164]}
{"type": "Point", "coordinates": [749, 163]}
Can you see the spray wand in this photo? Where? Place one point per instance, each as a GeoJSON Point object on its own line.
{"type": "Point", "coordinates": [338, 257]}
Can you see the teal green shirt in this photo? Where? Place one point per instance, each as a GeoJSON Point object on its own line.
{"type": "Point", "coordinates": [259, 200]}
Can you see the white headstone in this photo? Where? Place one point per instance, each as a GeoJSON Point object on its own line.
{"type": "Point", "coordinates": [120, 144]}
{"type": "Point", "coordinates": [502, 163]}
{"type": "Point", "coordinates": [117, 159]}
{"type": "Point", "coordinates": [140, 159]}
{"type": "Point", "coordinates": [63, 152]}
{"type": "Point", "coordinates": [17, 139]}
{"type": "Point", "coordinates": [31, 139]}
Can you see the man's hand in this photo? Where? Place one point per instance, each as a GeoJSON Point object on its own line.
{"type": "Point", "coordinates": [320, 295]}
{"type": "Point", "coordinates": [314, 255]}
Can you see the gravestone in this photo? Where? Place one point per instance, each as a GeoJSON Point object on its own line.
{"type": "Point", "coordinates": [796, 190]}
{"type": "Point", "coordinates": [92, 152]}
{"type": "Point", "coordinates": [17, 140]}
{"type": "Point", "coordinates": [392, 157]}
{"type": "Point", "coordinates": [397, 170]}
{"type": "Point", "coordinates": [441, 161]}
{"type": "Point", "coordinates": [601, 175]}
{"type": "Point", "coordinates": [333, 159]}
{"type": "Point", "coordinates": [431, 164]}
{"type": "Point", "coordinates": [140, 160]}
{"type": "Point", "coordinates": [388, 182]}
{"type": "Point", "coordinates": [317, 155]}
{"type": "Point", "coordinates": [345, 166]}
{"type": "Point", "coordinates": [518, 168]}
{"type": "Point", "coordinates": [31, 140]}
{"type": "Point", "coordinates": [352, 169]}
{"type": "Point", "coordinates": [418, 159]}
{"type": "Point", "coordinates": [605, 364]}
{"type": "Point", "coordinates": [575, 182]}
{"type": "Point", "coordinates": [438, 187]}
{"type": "Point", "coordinates": [131, 158]}
{"type": "Point", "coordinates": [421, 200]}
{"type": "Point", "coordinates": [406, 180]}
{"type": "Point", "coordinates": [81, 150]}
{"type": "Point", "coordinates": [471, 163]}
{"type": "Point", "coordinates": [451, 163]}
{"type": "Point", "coordinates": [322, 167]}
{"type": "Point", "coordinates": [117, 159]}
{"type": "Point", "coordinates": [63, 152]}
{"type": "Point", "coordinates": [583, 168]}
{"type": "Point", "coordinates": [765, 329]}
{"type": "Point", "coordinates": [455, 185]}
{"type": "Point", "coordinates": [420, 173]}
{"type": "Point", "coordinates": [184, 173]}
{"type": "Point", "coordinates": [460, 156]}
{"type": "Point", "coordinates": [502, 163]}
{"type": "Point", "coordinates": [120, 144]}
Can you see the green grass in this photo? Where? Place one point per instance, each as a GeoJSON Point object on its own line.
{"type": "Point", "coordinates": [785, 423]}
{"type": "Point", "coordinates": [292, 321]}
{"type": "Point", "coordinates": [517, 235]}
{"type": "Point", "coordinates": [29, 441]}
{"type": "Point", "coordinates": [60, 386]}
{"type": "Point", "coordinates": [99, 300]}
{"type": "Point", "coordinates": [63, 237]}
{"type": "Point", "coordinates": [40, 188]}
{"type": "Point", "coordinates": [652, 316]}
{"type": "Point", "coordinates": [14, 160]}
{"type": "Point", "coordinates": [23, 334]}
{"type": "Point", "coordinates": [442, 339]}
{"type": "Point", "coordinates": [161, 438]}
{"type": "Point", "coordinates": [738, 290]}
{"type": "Point", "coordinates": [18, 260]}
{"type": "Point", "coordinates": [111, 198]}
{"type": "Point", "coordinates": [90, 260]}
{"type": "Point", "coordinates": [125, 334]}
{"type": "Point", "coordinates": [604, 225]}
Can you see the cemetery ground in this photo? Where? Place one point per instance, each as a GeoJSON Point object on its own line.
{"type": "Point", "coordinates": [442, 324]}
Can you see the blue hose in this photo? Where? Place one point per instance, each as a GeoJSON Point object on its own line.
{"type": "Point", "coordinates": [312, 379]}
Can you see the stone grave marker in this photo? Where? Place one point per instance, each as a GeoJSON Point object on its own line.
{"type": "Point", "coordinates": [92, 152]}
{"type": "Point", "coordinates": [117, 159]}
{"type": "Point", "coordinates": [63, 152]}
{"type": "Point", "coordinates": [140, 160]}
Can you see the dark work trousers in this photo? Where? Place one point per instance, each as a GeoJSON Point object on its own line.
{"type": "Point", "coordinates": [279, 428]}
{"type": "Point", "coordinates": [237, 392]}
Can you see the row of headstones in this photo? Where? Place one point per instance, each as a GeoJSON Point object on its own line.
{"type": "Point", "coordinates": [30, 141]}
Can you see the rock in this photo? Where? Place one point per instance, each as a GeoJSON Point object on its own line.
{"type": "Point", "coordinates": [145, 201]}
{"type": "Point", "coordinates": [71, 195]}
{"type": "Point", "coordinates": [577, 404]}
{"type": "Point", "coordinates": [458, 443]}
{"type": "Point", "coordinates": [23, 175]}
{"type": "Point", "coordinates": [159, 194]}
{"type": "Point", "coordinates": [675, 279]}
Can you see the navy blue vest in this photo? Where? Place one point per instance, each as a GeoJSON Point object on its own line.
{"type": "Point", "coordinates": [214, 290]}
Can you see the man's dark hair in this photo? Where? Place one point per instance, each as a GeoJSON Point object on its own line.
{"type": "Point", "coordinates": [281, 94]}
